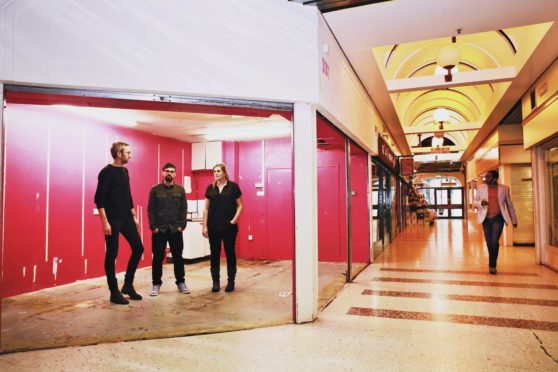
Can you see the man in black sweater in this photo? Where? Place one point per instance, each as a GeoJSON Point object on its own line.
{"type": "Point", "coordinates": [167, 220]}
{"type": "Point", "coordinates": [116, 209]}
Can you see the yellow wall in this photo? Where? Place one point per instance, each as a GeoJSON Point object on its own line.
{"type": "Point", "coordinates": [541, 122]}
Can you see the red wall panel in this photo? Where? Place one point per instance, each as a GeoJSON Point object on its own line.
{"type": "Point", "coordinates": [66, 152]}
{"type": "Point", "coordinates": [277, 196]}
{"type": "Point", "coordinates": [50, 147]}
{"type": "Point", "coordinates": [24, 245]}
{"type": "Point", "coordinates": [360, 243]}
{"type": "Point", "coordinates": [332, 186]}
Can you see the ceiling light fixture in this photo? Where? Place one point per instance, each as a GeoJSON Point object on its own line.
{"type": "Point", "coordinates": [441, 115]}
{"type": "Point", "coordinates": [448, 57]}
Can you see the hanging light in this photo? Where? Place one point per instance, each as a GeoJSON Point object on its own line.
{"type": "Point", "coordinates": [448, 57]}
{"type": "Point", "coordinates": [441, 115]}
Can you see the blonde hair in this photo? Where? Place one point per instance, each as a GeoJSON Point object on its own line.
{"type": "Point", "coordinates": [223, 169]}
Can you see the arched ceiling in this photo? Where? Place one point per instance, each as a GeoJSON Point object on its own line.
{"type": "Point", "coordinates": [415, 62]}
{"type": "Point", "coordinates": [393, 46]}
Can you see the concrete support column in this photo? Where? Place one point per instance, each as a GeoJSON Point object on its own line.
{"type": "Point", "coordinates": [539, 206]}
{"type": "Point", "coordinates": [306, 213]}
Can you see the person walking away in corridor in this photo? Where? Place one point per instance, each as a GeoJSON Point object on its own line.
{"type": "Point", "coordinates": [223, 207]}
{"type": "Point", "coordinates": [166, 210]}
{"type": "Point", "coordinates": [116, 210]}
{"type": "Point", "coordinates": [492, 200]}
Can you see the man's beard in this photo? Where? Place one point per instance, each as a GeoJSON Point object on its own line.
{"type": "Point", "coordinates": [169, 178]}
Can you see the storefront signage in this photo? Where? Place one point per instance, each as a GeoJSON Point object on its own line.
{"type": "Point", "coordinates": [406, 166]}
{"type": "Point", "coordinates": [440, 150]}
{"type": "Point", "coordinates": [385, 154]}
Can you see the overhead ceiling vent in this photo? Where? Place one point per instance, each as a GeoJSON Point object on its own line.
{"type": "Point", "coordinates": [332, 5]}
{"type": "Point", "coordinates": [514, 116]}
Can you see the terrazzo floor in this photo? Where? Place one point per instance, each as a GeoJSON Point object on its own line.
{"type": "Point", "coordinates": [426, 304]}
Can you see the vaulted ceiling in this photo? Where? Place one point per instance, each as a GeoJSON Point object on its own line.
{"type": "Point", "coordinates": [393, 46]}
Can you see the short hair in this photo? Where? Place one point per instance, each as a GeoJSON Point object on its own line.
{"type": "Point", "coordinates": [116, 147]}
{"type": "Point", "coordinates": [494, 173]}
{"type": "Point", "coordinates": [168, 165]}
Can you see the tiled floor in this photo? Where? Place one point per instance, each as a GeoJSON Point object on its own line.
{"type": "Point", "coordinates": [426, 304]}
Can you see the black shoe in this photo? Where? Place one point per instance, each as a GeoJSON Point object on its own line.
{"type": "Point", "coordinates": [130, 291]}
{"type": "Point", "coordinates": [230, 286]}
{"type": "Point", "coordinates": [216, 287]}
{"type": "Point", "coordinates": [117, 298]}
{"type": "Point", "coordinates": [492, 271]}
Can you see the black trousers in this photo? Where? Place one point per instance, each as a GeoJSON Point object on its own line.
{"type": "Point", "coordinates": [130, 232]}
{"type": "Point", "coordinates": [492, 228]}
{"type": "Point", "coordinates": [158, 244]}
{"type": "Point", "coordinates": [228, 237]}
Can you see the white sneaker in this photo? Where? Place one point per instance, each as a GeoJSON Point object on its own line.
{"type": "Point", "coordinates": [155, 290]}
{"type": "Point", "coordinates": [182, 288]}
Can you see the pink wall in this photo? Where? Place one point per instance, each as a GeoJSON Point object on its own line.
{"type": "Point", "coordinates": [268, 218]}
{"type": "Point", "coordinates": [360, 243]}
{"type": "Point", "coordinates": [332, 186]}
{"type": "Point", "coordinates": [52, 162]}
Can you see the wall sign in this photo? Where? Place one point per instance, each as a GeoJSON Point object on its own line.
{"type": "Point", "coordinates": [385, 154]}
{"type": "Point", "coordinates": [406, 166]}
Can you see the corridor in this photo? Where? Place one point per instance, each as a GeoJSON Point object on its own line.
{"type": "Point", "coordinates": [426, 304]}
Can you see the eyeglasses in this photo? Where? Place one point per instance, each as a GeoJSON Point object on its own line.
{"type": "Point", "coordinates": [169, 171]}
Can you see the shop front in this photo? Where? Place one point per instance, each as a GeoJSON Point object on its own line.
{"type": "Point", "coordinates": [387, 204]}
{"type": "Point", "coordinates": [540, 133]}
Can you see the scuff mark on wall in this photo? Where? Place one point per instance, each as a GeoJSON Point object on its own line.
{"type": "Point", "coordinates": [55, 266]}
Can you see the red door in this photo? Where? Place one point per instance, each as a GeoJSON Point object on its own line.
{"type": "Point", "coordinates": [280, 233]}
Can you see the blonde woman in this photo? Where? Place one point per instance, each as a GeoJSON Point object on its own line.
{"type": "Point", "coordinates": [223, 207]}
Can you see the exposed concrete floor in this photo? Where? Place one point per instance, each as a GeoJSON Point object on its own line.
{"type": "Point", "coordinates": [81, 314]}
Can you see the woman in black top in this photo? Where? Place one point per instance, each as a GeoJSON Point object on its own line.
{"type": "Point", "coordinates": [223, 207]}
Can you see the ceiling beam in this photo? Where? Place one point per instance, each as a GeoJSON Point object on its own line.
{"type": "Point", "coordinates": [477, 77]}
{"type": "Point", "coordinates": [450, 127]}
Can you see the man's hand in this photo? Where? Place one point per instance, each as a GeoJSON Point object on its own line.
{"type": "Point", "coordinates": [204, 232]}
{"type": "Point", "coordinates": [155, 230]}
{"type": "Point", "coordinates": [137, 222]}
{"type": "Point", "coordinates": [180, 229]}
{"type": "Point", "coordinates": [106, 228]}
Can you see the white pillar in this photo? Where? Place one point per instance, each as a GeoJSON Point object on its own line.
{"type": "Point", "coordinates": [306, 213]}
{"type": "Point", "coordinates": [539, 205]}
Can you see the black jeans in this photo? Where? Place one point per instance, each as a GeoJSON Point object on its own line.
{"type": "Point", "coordinates": [228, 237]}
{"type": "Point", "coordinates": [130, 232]}
{"type": "Point", "coordinates": [158, 245]}
{"type": "Point", "coordinates": [492, 231]}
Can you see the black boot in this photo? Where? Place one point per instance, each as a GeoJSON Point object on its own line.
{"type": "Point", "coordinates": [216, 286]}
{"type": "Point", "coordinates": [230, 286]}
{"type": "Point", "coordinates": [117, 298]}
{"type": "Point", "coordinates": [130, 291]}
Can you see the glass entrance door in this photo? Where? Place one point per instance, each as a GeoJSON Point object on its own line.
{"type": "Point", "coordinates": [449, 202]}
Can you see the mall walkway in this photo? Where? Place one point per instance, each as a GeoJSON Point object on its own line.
{"type": "Point", "coordinates": [426, 304]}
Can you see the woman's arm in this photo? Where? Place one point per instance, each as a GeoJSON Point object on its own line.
{"type": "Point", "coordinates": [205, 213]}
{"type": "Point", "coordinates": [239, 209]}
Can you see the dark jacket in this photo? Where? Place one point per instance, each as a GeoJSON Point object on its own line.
{"type": "Point", "coordinates": [167, 207]}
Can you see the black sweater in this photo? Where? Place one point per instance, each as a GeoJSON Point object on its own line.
{"type": "Point", "coordinates": [113, 193]}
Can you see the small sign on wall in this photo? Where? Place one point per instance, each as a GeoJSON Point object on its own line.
{"type": "Point", "coordinates": [188, 184]}
{"type": "Point", "coordinates": [325, 67]}
{"type": "Point", "coordinates": [406, 166]}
